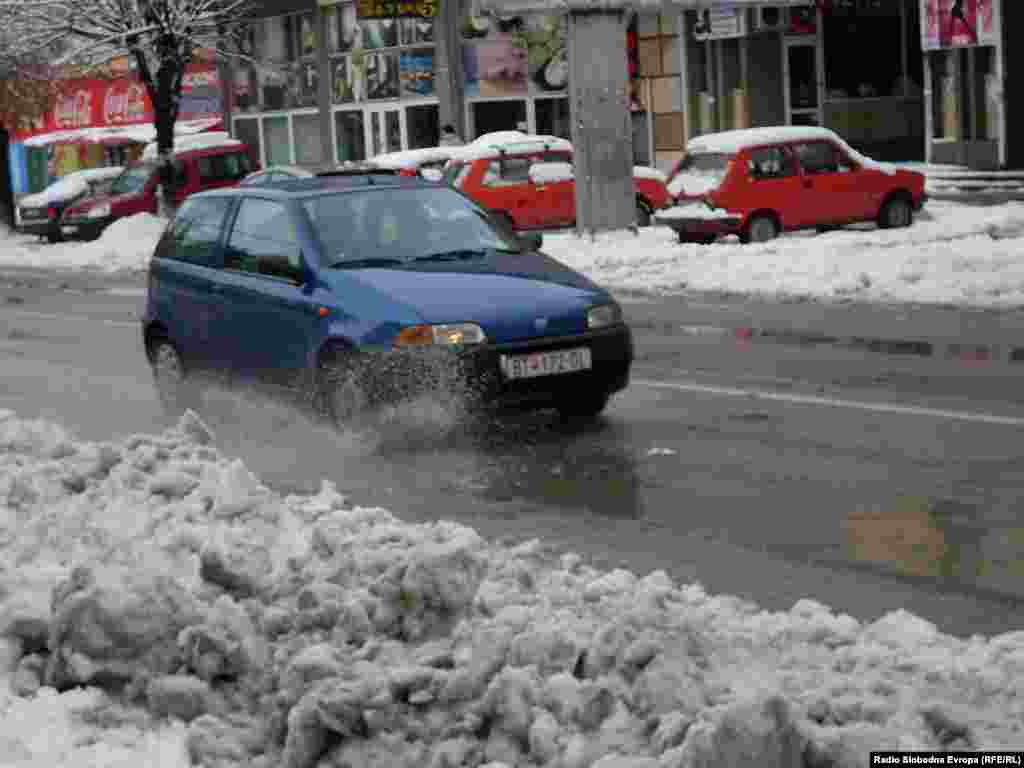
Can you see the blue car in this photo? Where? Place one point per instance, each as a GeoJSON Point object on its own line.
{"type": "Point", "coordinates": [352, 292]}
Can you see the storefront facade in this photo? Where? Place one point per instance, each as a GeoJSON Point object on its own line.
{"type": "Point", "coordinates": [381, 90]}
{"type": "Point", "coordinates": [853, 66]}
{"type": "Point", "coordinates": [891, 76]}
{"type": "Point", "coordinates": [98, 122]}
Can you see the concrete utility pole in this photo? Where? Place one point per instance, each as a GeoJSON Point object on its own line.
{"type": "Point", "coordinates": [602, 135]}
{"type": "Point", "coordinates": [601, 129]}
{"type": "Point", "coordinates": [449, 82]}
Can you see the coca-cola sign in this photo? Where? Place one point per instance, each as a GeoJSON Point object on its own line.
{"type": "Point", "coordinates": [73, 110]}
{"type": "Point", "coordinates": [124, 103]}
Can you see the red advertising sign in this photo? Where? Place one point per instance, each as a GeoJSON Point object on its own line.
{"type": "Point", "coordinates": [124, 103]}
{"type": "Point", "coordinates": [103, 103]}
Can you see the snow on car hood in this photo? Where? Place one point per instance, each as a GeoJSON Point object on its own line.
{"type": "Point", "coordinates": [67, 188]}
{"type": "Point", "coordinates": [503, 293]}
{"type": "Point", "coordinates": [694, 183]}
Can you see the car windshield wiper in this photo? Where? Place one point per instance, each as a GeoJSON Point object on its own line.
{"type": "Point", "coordinates": [457, 255]}
{"type": "Point", "coordinates": [370, 262]}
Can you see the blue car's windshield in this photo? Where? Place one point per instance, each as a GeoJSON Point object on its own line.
{"type": "Point", "coordinates": [373, 227]}
{"type": "Point", "coordinates": [132, 180]}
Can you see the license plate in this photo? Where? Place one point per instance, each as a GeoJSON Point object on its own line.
{"type": "Point", "coordinates": [69, 230]}
{"type": "Point", "coordinates": [33, 214]}
{"type": "Point", "coordinates": [546, 363]}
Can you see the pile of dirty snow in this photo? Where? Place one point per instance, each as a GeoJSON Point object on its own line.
{"type": "Point", "coordinates": [953, 254]}
{"type": "Point", "coordinates": [126, 245]}
{"type": "Point", "coordinates": [159, 605]}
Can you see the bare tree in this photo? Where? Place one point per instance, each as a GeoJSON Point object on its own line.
{"type": "Point", "coordinates": [162, 36]}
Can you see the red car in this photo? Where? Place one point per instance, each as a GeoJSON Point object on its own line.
{"type": "Point", "coordinates": [760, 182]}
{"type": "Point", "coordinates": [204, 161]}
{"type": "Point", "coordinates": [528, 180]}
{"type": "Point", "coordinates": [428, 162]}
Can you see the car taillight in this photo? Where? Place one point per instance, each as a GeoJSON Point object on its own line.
{"type": "Point", "coordinates": [51, 212]}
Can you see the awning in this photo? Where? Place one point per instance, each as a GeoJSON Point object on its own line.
{"type": "Point", "coordinates": [128, 134]}
{"type": "Point", "coordinates": [512, 7]}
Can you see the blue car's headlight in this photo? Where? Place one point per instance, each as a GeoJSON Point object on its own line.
{"type": "Point", "coordinates": [603, 316]}
{"type": "Point", "coordinates": [449, 335]}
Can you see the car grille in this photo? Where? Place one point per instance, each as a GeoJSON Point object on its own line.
{"type": "Point", "coordinates": [611, 353]}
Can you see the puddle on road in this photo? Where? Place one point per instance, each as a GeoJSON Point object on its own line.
{"type": "Point", "coordinates": [421, 459]}
{"type": "Point", "coordinates": [938, 539]}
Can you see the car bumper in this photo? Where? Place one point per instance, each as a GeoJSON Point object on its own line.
{"type": "Point", "coordinates": [35, 226]}
{"type": "Point", "coordinates": [476, 375]}
{"type": "Point", "coordinates": [86, 229]}
{"type": "Point", "coordinates": [701, 225]}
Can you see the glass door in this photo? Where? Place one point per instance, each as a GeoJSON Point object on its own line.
{"type": "Point", "coordinates": [803, 81]}
{"type": "Point", "coordinates": [384, 129]}
{"type": "Point", "coordinates": [349, 135]}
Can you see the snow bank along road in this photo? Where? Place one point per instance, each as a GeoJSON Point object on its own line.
{"type": "Point", "coordinates": [954, 254]}
{"type": "Point", "coordinates": [160, 606]}
{"type": "Point", "coordinates": [762, 469]}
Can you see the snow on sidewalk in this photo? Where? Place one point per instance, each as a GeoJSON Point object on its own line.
{"type": "Point", "coordinates": [954, 254]}
{"type": "Point", "coordinates": [126, 245]}
{"type": "Point", "coordinates": [159, 605]}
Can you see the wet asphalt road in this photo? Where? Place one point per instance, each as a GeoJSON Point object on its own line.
{"type": "Point", "coordinates": [868, 457]}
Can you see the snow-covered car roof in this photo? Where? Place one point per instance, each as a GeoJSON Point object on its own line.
{"type": "Point", "coordinates": [411, 159]}
{"type": "Point", "coordinates": [731, 142]}
{"type": "Point", "coordinates": [508, 142]}
{"type": "Point", "coordinates": [189, 143]}
{"type": "Point", "coordinates": [71, 185]}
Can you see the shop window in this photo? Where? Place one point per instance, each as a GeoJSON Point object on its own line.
{"type": "Point", "coordinates": [369, 59]}
{"type": "Point", "coordinates": [278, 144]}
{"type": "Point", "coordinates": [849, 73]}
{"type": "Point", "coordinates": [350, 136]}
{"type": "Point", "coordinates": [248, 132]}
{"type": "Point", "coordinates": [421, 123]}
{"type": "Point", "coordinates": [341, 27]}
{"type": "Point", "coordinates": [771, 163]}
{"type": "Point", "coordinates": [308, 147]}
{"type": "Point", "coordinates": [416, 72]}
{"type": "Point", "coordinates": [552, 117]}
{"type": "Point", "coordinates": [382, 75]}
{"type": "Point", "coordinates": [490, 116]}
{"type": "Point", "coordinates": [301, 36]}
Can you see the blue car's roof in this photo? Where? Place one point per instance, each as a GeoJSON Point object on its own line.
{"type": "Point", "coordinates": [349, 182]}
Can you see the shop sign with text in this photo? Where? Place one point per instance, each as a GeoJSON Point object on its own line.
{"type": "Point", "coordinates": [392, 9]}
{"type": "Point", "coordinates": [720, 23]}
